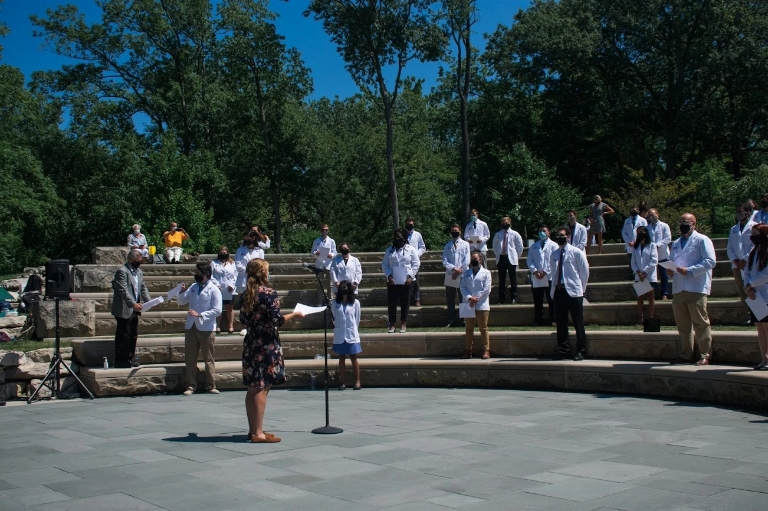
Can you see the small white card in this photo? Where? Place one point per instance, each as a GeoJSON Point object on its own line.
{"type": "Point", "coordinates": [147, 306]}
{"type": "Point", "coordinates": [670, 265]}
{"type": "Point", "coordinates": [642, 287]}
{"type": "Point", "coordinates": [399, 274]}
{"type": "Point", "coordinates": [465, 311]}
{"type": "Point", "coordinates": [306, 309]}
{"type": "Point", "coordinates": [758, 307]}
{"type": "Point", "coordinates": [450, 281]}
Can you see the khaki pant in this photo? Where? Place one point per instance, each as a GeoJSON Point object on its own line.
{"type": "Point", "coordinates": [481, 318]}
{"type": "Point", "coordinates": [173, 253]}
{"type": "Point", "coordinates": [691, 317]}
{"type": "Point", "coordinates": [194, 341]}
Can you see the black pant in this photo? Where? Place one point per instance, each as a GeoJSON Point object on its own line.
{"type": "Point", "coordinates": [125, 339]}
{"type": "Point", "coordinates": [565, 304]}
{"type": "Point", "coordinates": [398, 294]}
{"type": "Point", "coordinates": [415, 289]}
{"type": "Point", "coordinates": [538, 305]}
{"type": "Point", "coordinates": [505, 266]}
{"type": "Point", "coordinates": [450, 299]}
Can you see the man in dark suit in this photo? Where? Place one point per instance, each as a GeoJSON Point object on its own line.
{"type": "Point", "coordinates": [129, 292]}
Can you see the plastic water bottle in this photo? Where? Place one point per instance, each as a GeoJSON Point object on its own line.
{"type": "Point", "coordinates": [106, 363]}
{"type": "Point", "coordinates": [318, 356]}
{"type": "Point", "coordinates": [313, 381]}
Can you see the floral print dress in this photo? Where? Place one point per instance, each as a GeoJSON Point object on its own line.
{"type": "Point", "coordinates": [263, 363]}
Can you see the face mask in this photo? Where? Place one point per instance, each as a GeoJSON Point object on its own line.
{"type": "Point", "coordinates": [571, 220]}
{"type": "Point", "coordinates": [475, 263]}
{"type": "Point", "coordinates": [174, 228]}
{"type": "Point", "coordinates": [399, 242]}
{"type": "Point", "coordinates": [684, 228]}
{"type": "Point", "coordinates": [136, 232]}
{"type": "Point", "coordinates": [741, 216]}
{"type": "Point", "coordinates": [473, 218]}
{"type": "Point", "coordinates": [505, 226]}
{"type": "Point", "coordinates": [198, 279]}
{"type": "Point", "coordinates": [136, 264]}
{"type": "Point", "coordinates": [633, 213]}
{"type": "Point", "coordinates": [561, 240]}
{"type": "Point", "coordinates": [223, 257]}
{"type": "Point", "coordinates": [542, 235]}
{"type": "Point", "coordinates": [764, 204]}
{"type": "Point", "coordinates": [758, 239]}
{"type": "Point", "coordinates": [455, 235]}
{"type": "Point", "coordinates": [653, 219]}
{"type": "Point", "coordinates": [409, 227]}
{"type": "Point", "coordinates": [344, 251]}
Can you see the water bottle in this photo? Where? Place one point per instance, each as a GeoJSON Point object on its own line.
{"type": "Point", "coordinates": [106, 363]}
{"type": "Point", "coordinates": [312, 381]}
{"type": "Point", "coordinates": [318, 356]}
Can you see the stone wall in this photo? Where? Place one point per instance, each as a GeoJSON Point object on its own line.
{"type": "Point", "coordinates": [76, 318]}
{"type": "Point", "coordinates": [22, 372]}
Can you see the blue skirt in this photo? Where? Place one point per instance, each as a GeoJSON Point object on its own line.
{"type": "Point", "coordinates": [346, 348]}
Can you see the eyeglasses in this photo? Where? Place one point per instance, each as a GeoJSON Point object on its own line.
{"type": "Point", "coordinates": [324, 230]}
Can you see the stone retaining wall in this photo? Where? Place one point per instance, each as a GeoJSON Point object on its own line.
{"type": "Point", "coordinates": [21, 372]}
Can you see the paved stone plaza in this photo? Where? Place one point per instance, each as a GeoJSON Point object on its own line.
{"type": "Point", "coordinates": [402, 449]}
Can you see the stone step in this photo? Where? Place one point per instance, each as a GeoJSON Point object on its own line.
{"type": "Point", "coordinates": [596, 292]}
{"type": "Point", "coordinates": [101, 279]}
{"type": "Point", "coordinates": [725, 385]}
{"type": "Point", "coordinates": [729, 347]}
{"type": "Point", "coordinates": [721, 312]}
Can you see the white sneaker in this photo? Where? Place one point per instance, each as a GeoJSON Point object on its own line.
{"type": "Point", "coordinates": [391, 330]}
{"type": "Point", "coordinates": [213, 391]}
{"type": "Point", "coordinates": [189, 391]}
{"type": "Point", "coordinates": [402, 329]}
{"type": "Point", "coordinates": [243, 332]}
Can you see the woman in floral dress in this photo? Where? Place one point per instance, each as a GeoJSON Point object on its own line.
{"type": "Point", "coordinates": [263, 364]}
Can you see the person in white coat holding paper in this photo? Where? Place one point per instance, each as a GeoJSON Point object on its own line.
{"type": "Point", "coordinates": [477, 233]}
{"type": "Point", "coordinates": [508, 247]}
{"type": "Point", "coordinates": [204, 299]}
{"type": "Point", "coordinates": [629, 231]}
{"type": "Point", "coordinates": [416, 241]}
{"type": "Point", "coordinates": [739, 246]}
{"type": "Point", "coordinates": [476, 290]}
{"type": "Point", "coordinates": [346, 339]}
{"type": "Point", "coordinates": [645, 257]}
{"type": "Point", "coordinates": [756, 286]}
{"type": "Point", "coordinates": [250, 249]}
{"type": "Point", "coordinates": [541, 275]}
{"type": "Point", "coordinates": [694, 255]}
{"type": "Point", "coordinates": [400, 265]}
{"type": "Point", "coordinates": [455, 261]}
{"type": "Point", "coordinates": [324, 250]}
{"type": "Point", "coordinates": [570, 273]}
{"type": "Point", "coordinates": [347, 267]}
{"type": "Point", "coordinates": [661, 236]}
{"type": "Point", "coordinates": [224, 272]}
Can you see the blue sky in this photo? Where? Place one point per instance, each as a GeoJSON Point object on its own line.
{"type": "Point", "coordinates": [24, 51]}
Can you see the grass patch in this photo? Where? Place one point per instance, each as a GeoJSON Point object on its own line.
{"type": "Point", "coordinates": [30, 345]}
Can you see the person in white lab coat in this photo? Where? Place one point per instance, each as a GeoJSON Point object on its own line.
{"type": "Point", "coordinates": [570, 273]}
{"type": "Point", "coordinates": [694, 254]}
{"type": "Point", "coordinates": [477, 233]}
{"type": "Point", "coordinates": [345, 266]}
{"type": "Point", "coordinates": [760, 216]}
{"type": "Point", "coordinates": [324, 242]}
{"type": "Point", "coordinates": [739, 246]}
{"type": "Point", "coordinates": [645, 257]}
{"type": "Point", "coordinates": [508, 247]}
{"type": "Point", "coordinates": [346, 339]}
{"type": "Point", "coordinates": [579, 233]}
{"type": "Point", "coordinates": [756, 286]}
{"type": "Point", "coordinates": [416, 241]}
{"type": "Point", "coordinates": [400, 265]}
{"type": "Point", "coordinates": [476, 290]}
{"type": "Point", "coordinates": [661, 236]}
{"type": "Point", "coordinates": [250, 249]}
{"type": "Point", "coordinates": [224, 272]}
{"type": "Point", "coordinates": [541, 276]}
{"type": "Point", "coordinates": [629, 231]}
{"type": "Point", "coordinates": [455, 261]}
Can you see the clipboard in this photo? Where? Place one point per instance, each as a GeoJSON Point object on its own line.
{"type": "Point", "coordinates": [399, 274]}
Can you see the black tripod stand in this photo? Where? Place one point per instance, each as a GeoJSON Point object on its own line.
{"type": "Point", "coordinates": [327, 429]}
{"type": "Point", "coordinates": [52, 378]}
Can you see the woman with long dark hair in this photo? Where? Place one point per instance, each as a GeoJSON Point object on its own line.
{"type": "Point", "coordinates": [225, 273]}
{"type": "Point", "coordinates": [756, 286]}
{"type": "Point", "coordinates": [645, 258]}
{"type": "Point", "coordinates": [400, 265]}
{"type": "Point", "coordinates": [263, 364]}
{"type": "Point", "coordinates": [346, 339]}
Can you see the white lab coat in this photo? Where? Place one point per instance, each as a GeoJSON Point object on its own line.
{"type": "Point", "coordinates": [477, 229]}
{"type": "Point", "coordinates": [478, 285]}
{"type": "Point", "coordinates": [629, 230]}
{"type": "Point", "coordinates": [758, 279]}
{"type": "Point", "coordinates": [242, 258]}
{"type": "Point", "coordinates": [416, 241]}
{"type": "Point", "coordinates": [645, 260]}
{"type": "Point", "coordinates": [456, 257]}
{"type": "Point", "coordinates": [406, 256]}
{"type": "Point", "coordinates": [514, 245]}
{"type": "Point", "coordinates": [346, 319]}
{"type": "Point", "coordinates": [226, 276]}
{"type": "Point", "coordinates": [206, 301]}
{"type": "Point", "coordinates": [661, 236]}
{"type": "Point", "coordinates": [324, 263]}
{"type": "Point", "coordinates": [698, 256]}
{"type": "Point", "coordinates": [539, 255]}
{"type": "Point", "coordinates": [350, 270]}
{"type": "Point", "coordinates": [739, 243]}
{"type": "Point", "coordinates": [575, 271]}
{"type": "Point", "coordinates": [579, 236]}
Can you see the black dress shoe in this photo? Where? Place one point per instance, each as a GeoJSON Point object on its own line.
{"type": "Point", "coordinates": [578, 357]}
{"type": "Point", "coordinates": [559, 356]}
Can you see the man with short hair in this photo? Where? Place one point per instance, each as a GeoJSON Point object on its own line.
{"type": "Point", "coordinates": [129, 292]}
{"type": "Point", "coordinates": [579, 233]}
{"type": "Point", "coordinates": [738, 248]}
{"type": "Point", "coordinates": [173, 238]}
{"type": "Point", "coordinates": [416, 241]}
{"type": "Point", "coordinates": [204, 299]}
{"type": "Point", "coordinates": [694, 255]}
{"type": "Point", "coordinates": [324, 263]}
{"type": "Point", "coordinates": [661, 237]}
{"type": "Point", "coordinates": [455, 261]}
{"type": "Point", "coordinates": [508, 247]}
{"type": "Point", "coordinates": [629, 233]}
{"type": "Point", "coordinates": [541, 275]}
{"type": "Point", "coordinates": [570, 273]}
{"type": "Point", "coordinates": [476, 233]}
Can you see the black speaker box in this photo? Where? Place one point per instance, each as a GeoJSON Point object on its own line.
{"type": "Point", "coordinates": [57, 278]}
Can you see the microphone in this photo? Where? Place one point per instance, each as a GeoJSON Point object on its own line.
{"type": "Point", "coordinates": [312, 267]}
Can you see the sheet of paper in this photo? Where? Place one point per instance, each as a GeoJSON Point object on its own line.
{"type": "Point", "coordinates": [145, 307]}
{"type": "Point", "coordinates": [758, 308]}
{"type": "Point", "coordinates": [584, 301]}
{"type": "Point", "coordinates": [539, 282]}
{"type": "Point", "coordinates": [399, 274]}
{"type": "Point", "coordinates": [451, 282]}
{"type": "Point", "coordinates": [322, 260]}
{"type": "Point", "coordinates": [465, 311]}
{"type": "Point", "coordinates": [307, 309]}
{"type": "Point", "coordinates": [173, 293]}
{"type": "Point", "coordinates": [642, 287]}
{"type": "Point", "coordinates": [670, 265]}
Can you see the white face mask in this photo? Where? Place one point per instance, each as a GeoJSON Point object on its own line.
{"type": "Point", "coordinates": [136, 232]}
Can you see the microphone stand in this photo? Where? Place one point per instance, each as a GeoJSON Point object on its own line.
{"type": "Point", "coordinates": [327, 429]}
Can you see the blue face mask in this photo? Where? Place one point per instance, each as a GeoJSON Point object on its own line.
{"type": "Point", "coordinates": [542, 235]}
{"type": "Point", "coordinates": [473, 218]}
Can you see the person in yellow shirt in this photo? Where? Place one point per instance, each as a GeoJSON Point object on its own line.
{"type": "Point", "coordinates": [173, 239]}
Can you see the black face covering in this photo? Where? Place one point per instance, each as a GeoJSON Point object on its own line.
{"type": "Point", "coordinates": [409, 227]}
{"type": "Point", "coordinates": [199, 279]}
{"type": "Point", "coordinates": [223, 257]}
{"type": "Point", "coordinates": [344, 251]}
{"type": "Point", "coordinates": [475, 263]}
{"type": "Point", "coordinates": [455, 235]}
{"type": "Point", "coordinates": [399, 242]}
{"type": "Point", "coordinates": [136, 264]}
{"type": "Point", "coordinates": [561, 240]}
{"type": "Point", "coordinates": [764, 204]}
{"type": "Point", "coordinates": [684, 228]}
{"type": "Point", "coordinates": [758, 239]}
{"type": "Point", "coordinates": [505, 226]}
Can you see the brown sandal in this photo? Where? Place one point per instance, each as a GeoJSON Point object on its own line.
{"type": "Point", "coordinates": [269, 438]}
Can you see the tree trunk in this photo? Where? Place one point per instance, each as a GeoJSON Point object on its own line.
{"type": "Point", "coordinates": [393, 204]}
{"type": "Point", "coordinates": [464, 95]}
{"type": "Point", "coordinates": [276, 211]}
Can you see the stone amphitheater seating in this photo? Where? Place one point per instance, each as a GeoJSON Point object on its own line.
{"type": "Point", "coordinates": [626, 360]}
